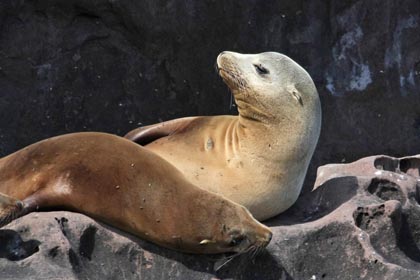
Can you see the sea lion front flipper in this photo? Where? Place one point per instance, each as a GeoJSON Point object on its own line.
{"type": "Point", "coordinates": [146, 134]}
{"type": "Point", "coordinates": [10, 209]}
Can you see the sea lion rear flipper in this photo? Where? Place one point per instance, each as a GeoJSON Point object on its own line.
{"type": "Point", "coordinates": [146, 134]}
{"type": "Point", "coordinates": [10, 209]}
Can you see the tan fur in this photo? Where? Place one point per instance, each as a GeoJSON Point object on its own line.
{"type": "Point", "coordinates": [258, 159]}
{"type": "Point", "coordinates": [121, 183]}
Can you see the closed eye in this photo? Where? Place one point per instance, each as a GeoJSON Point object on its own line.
{"type": "Point", "coordinates": [261, 69]}
{"type": "Point", "coordinates": [236, 240]}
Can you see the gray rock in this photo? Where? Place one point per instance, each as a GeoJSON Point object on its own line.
{"type": "Point", "coordinates": [68, 245]}
{"type": "Point", "coordinates": [360, 222]}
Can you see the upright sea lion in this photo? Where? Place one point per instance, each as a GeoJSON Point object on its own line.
{"type": "Point", "coordinates": [117, 181]}
{"type": "Point", "coordinates": [258, 159]}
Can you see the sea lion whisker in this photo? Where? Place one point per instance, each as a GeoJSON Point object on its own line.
{"type": "Point", "coordinates": [254, 252]}
{"type": "Point", "coordinates": [260, 250]}
{"type": "Point", "coordinates": [227, 260]}
{"type": "Point", "coordinates": [257, 250]}
{"type": "Point", "coordinates": [231, 101]}
{"type": "Point", "coordinates": [249, 251]}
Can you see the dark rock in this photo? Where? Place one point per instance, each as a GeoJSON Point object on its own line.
{"type": "Point", "coordinates": [360, 222]}
{"type": "Point", "coordinates": [13, 248]}
{"type": "Point", "coordinates": [109, 66]}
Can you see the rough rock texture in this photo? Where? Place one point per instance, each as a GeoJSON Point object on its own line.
{"type": "Point", "coordinates": [109, 65]}
{"type": "Point", "coordinates": [361, 222]}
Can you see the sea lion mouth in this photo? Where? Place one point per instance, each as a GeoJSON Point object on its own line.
{"type": "Point", "coordinates": [250, 253]}
{"type": "Point", "coordinates": [230, 72]}
{"type": "Point", "coordinates": [232, 77]}
{"type": "Point", "coordinates": [254, 248]}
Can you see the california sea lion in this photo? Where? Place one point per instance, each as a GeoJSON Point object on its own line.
{"type": "Point", "coordinates": [117, 181]}
{"type": "Point", "coordinates": [258, 159]}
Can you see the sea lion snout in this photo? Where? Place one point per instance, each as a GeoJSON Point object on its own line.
{"type": "Point", "coordinates": [223, 53]}
{"type": "Point", "coordinates": [269, 237]}
{"type": "Point", "coordinates": [230, 71]}
{"type": "Point", "coordinates": [265, 237]}
{"type": "Point", "coordinates": [258, 234]}
{"type": "Point", "coordinates": [225, 57]}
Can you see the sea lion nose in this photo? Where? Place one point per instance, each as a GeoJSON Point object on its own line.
{"type": "Point", "coordinates": [218, 61]}
{"type": "Point", "coordinates": [269, 236]}
{"type": "Point", "coordinates": [227, 53]}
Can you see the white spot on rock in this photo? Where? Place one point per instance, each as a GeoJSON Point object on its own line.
{"type": "Point", "coordinates": [347, 42]}
{"type": "Point", "coordinates": [346, 55]}
{"type": "Point", "coordinates": [393, 54]}
{"type": "Point", "coordinates": [330, 85]}
{"type": "Point", "coordinates": [360, 77]}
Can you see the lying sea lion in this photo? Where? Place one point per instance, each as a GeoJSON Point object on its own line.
{"type": "Point", "coordinates": [117, 181]}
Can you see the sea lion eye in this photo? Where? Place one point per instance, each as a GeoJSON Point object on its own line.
{"type": "Point", "coordinates": [236, 240]}
{"type": "Point", "coordinates": [261, 69]}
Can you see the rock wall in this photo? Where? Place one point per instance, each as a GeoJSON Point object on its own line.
{"type": "Point", "coordinates": [112, 65]}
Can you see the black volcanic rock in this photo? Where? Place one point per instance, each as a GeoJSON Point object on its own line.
{"type": "Point", "coordinates": [361, 222]}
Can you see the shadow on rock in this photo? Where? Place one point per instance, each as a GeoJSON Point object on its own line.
{"type": "Point", "coordinates": [389, 233]}
{"type": "Point", "coordinates": [410, 166]}
{"type": "Point", "coordinates": [409, 235]}
{"type": "Point", "coordinates": [13, 248]}
{"type": "Point", "coordinates": [407, 165]}
{"type": "Point", "coordinates": [314, 205]}
{"type": "Point", "coordinates": [262, 266]}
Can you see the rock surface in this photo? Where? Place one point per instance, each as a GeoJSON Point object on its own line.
{"type": "Point", "coordinates": [112, 65]}
{"type": "Point", "coordinates": [109, 65]}
{"type": "Point", "coordinates": [361, 222]}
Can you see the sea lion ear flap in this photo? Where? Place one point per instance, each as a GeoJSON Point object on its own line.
{"type": "Point", "coordinates": [206, 241]}
{"type": "Point", "coordinates": [295, 93]}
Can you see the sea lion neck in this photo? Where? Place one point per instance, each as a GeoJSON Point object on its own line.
{"type": "Point", "coordinates": [274, 134]}
{"type": "Point", "coordinates": [251, 111]}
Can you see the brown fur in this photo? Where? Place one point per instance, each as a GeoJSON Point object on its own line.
{"type": "Point", "coordinates": [116, 181]}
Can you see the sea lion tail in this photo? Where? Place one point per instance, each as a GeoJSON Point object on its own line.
{"type": "Point", "coordinates": [10, 209]}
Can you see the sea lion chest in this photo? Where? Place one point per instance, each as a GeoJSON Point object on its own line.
{"type": "Point", "coordinates": [209, 154]}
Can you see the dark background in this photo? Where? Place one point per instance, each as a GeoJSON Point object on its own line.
{"type": "Point", "coordinates": [81, 65]}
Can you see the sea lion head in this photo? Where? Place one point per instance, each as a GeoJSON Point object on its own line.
{"type": "Point", "coordinates": [263, 83]}
{"type": "Point", "coordinates": [235, 231]}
